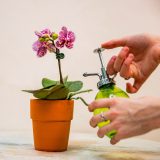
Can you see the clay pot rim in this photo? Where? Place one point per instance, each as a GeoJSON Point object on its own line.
{"type": "Point", "coordinates": [51, 99]}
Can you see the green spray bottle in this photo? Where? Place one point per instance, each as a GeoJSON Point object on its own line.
{"type": "Point", "coordinates": [107, 89]}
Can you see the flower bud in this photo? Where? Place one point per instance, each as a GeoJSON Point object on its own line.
{"type": "Point", "coordinates": [54, 36]}
{"type": "Point", "coordinates": [47, 39]}
{"type": "Point", "coordinates": [41, 39]}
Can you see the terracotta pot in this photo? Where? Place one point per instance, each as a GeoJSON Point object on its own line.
{"type": "Point", "coordinates": [51, 123]}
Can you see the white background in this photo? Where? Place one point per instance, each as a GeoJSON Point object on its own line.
{"type": "Point", "coordinates": [94, 22]}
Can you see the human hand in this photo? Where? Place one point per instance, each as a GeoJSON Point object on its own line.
{"type": "Point", "coordinates": [138, 58]}
{"type": "Point", "coordinates": [129, 117]}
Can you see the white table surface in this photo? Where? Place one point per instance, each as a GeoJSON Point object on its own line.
{"type": "Point", "coordinates": [18, 145]}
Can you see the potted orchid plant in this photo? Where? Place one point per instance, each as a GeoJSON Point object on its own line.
{"type": "Point", "coordinates": [52, 110]}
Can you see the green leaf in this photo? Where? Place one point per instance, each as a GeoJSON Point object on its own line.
{"type": "Point", "coordinates": [59, 93]}
{"type": "Point", "coordinates": [48, 83]}
{"type": "Point", "coordinates": [71, 94]}
{"type": "Point", "coordinates": [74, 86]}
{"type": "Point", "coordinates": [40, 93]}
{"type": "Point", "coordinates": [54, 92]}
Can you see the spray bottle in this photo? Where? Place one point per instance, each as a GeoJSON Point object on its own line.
{"type": "Point", "coordinates": [107, 89]}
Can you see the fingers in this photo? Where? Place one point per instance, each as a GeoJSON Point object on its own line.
{"type": "Point", "coordinates": [126, 71]}
{"type": "Point", "coordinates": [125, 65]}
{"type": "Point", "coordinates": [109, 115]}
{"type": "Point", "coordinates": [106, 129]}
{"type": "Point", "coordinates": [102, 103]}
{"type": "Point", "coordinates": [121, 134]}
{"type": "Point", "coordinates": [97, 119]}
{"type": "Point", "coordinates": [132, 71]}
{"type": "Point", "coordinates": [133, 88]}
{"type": "Point", "coordinates": [116, 63]}
{"type": "Point", "coordinates": [120, 58]}
{"type": "Point", "coordinates": [130, 88]}
{"type": "Point", "coordinates": [110, 66]}
{"type": "Point", "coordinates": [114, 140]}
{"type": "Point", "coordinates": [114, 43]}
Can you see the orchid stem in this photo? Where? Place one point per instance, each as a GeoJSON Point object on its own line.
{"type": "Point", "coordinates": [59, 66]}
{"type": "Point", "coordinates": [60, 72]}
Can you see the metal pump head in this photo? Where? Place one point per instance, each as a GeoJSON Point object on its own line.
{"type": "Point", "coordinates": [104, 77]}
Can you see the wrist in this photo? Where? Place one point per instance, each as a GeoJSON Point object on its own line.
{"type": "Point", "coordinates": [154, 121]}
{"type": "Point", "coordinates": [149, 113]}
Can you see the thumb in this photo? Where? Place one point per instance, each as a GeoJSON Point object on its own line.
{"type": "Point", "coordinates": [134, 71]}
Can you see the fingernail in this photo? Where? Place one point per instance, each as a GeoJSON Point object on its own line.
{"type": "Point", "coordinates": [126, 48]}
{"type": "Point", "coordinates": [92, 125]}
{"type": "Point", "coordinates": [113, 58]}
{"type": "Point", "coordinates": [89, 109]}
{"type": "Point", "coordinates": [100, 135]}
{"type": "Point", "coordinates": [131, 56]}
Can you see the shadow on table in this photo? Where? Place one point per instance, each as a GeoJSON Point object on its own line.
{"type": "Point", "coordinates": [98, 152]}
